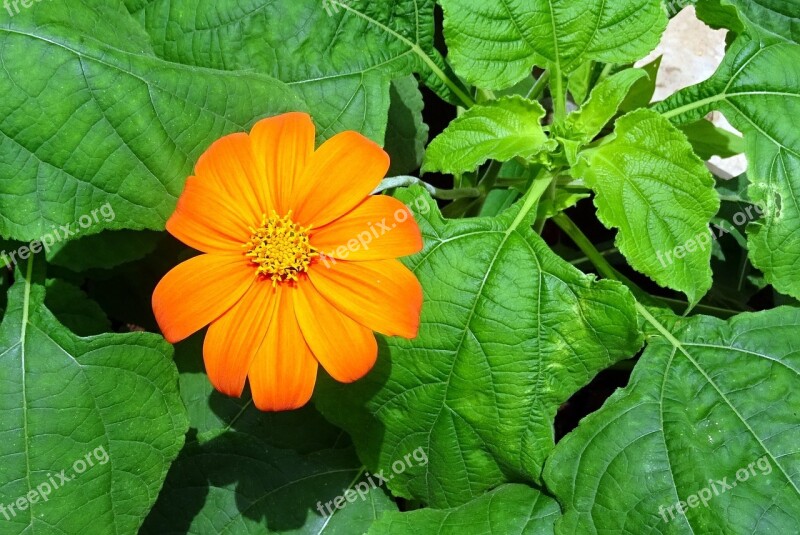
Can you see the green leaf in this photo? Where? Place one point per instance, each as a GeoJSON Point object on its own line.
{"type": "Point", "coordinates": [498, 200]}
{"type": "Point", "coordinates": [659, 194]}
{"type": "Point", "coordinates": [105, 250]}
{"type": "Point", "coordinates": [718, 15]}
{"type": "Point", "coordinates": [708, 140]}
{"type": "Point", "coordinates": [66, 401]}
{"type": "Point", "coordinates": [579, 82]}
{"type": "Point", "coordinates": [235, 483]}
{"type": "Point", "coordinates": [775, 17]}
{"type": "Point", "coordinates": [500, 130]}
{"type": "Point", "coordinates": [495, 43]}
{"type": "Point", "coordinates": [98, 120]}
{"type": "Point", "coordinates": [641, 94]}
{"type": "Point", "coordinates": [339, 55]}
{"type": "Point", "coordinates": [757, 90]}
{"type": "Point", "coordinates": [74, 310]}
{"type": "Point", "coordinates": [252, 472]}
{"type": "Point", "coordinates": [406, 134]}
{"type": "Point", "coordinates": [603, 104]}
{"type": "Point", "coordinates": [709, 401]}
{"type": "Point", "coordinates": [500, 348]}
{"type": "Point", "coordinates": [507, 510]}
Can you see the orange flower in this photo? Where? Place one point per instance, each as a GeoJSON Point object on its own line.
{"type": "Point", "coordinates": [300, 261]}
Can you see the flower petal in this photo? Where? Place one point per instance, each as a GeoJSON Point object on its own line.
{"type": "Point", "coordinates": [346, 349]}
{"type": "Point", "coordinates": [203, 221]}
{"type": "Point", "coordinates": [283, 374]}
{"type": "Point", "coordinates": [233, 340]}
{"type": "Point", "coordinates": [339, 176]}
{"type": "Point", "coordinates": [198, 291]}
{"type": "Point", "coordinates": [382, 294]}
{"type": "Point", "coordinates": [230, 164]}
{"type": "Point", "coordinates": [379, 228]}
{"type": "Point", "coordinates": [283, 144]}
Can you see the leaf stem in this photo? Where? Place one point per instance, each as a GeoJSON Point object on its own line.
{"type": "Point", "coordinates": [538, 227]}
{"type": "Point", "coordinates": [538, 87]}
{"type": "Point", "coordinates": [531, 199]}
{"type": "Point", "coordinates": [444, 194]}
{"type": "Point", "coordinates": [584, 244]}
{"type": "Point", "coordinates": [487, 181]}
{"type": "Point", "coordinates": [26, 299]}
{"type": "Point", "coordinates": [559, 96]}
{"type": "Point", "coordinates": [467, 100]}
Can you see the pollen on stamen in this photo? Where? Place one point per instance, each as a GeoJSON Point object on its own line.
{"type": "Point", "coordinates": [280, 248]}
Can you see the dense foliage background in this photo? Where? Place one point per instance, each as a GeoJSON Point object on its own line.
{"type": "Point", "coordinates": [567, 253]}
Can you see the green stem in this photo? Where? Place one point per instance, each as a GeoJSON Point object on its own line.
{"type": "Point", "coordinates": [605, 269]}
{"type": "Point", "coordinates": [487, 181]}
{"type": "Point", "coordinates": [605, 72]}
{"type": "Point", "coordinates": [531, 199]}
{"type": "Point", "coordinates": [444, 194]}
{"type": "Point", "coordinates": [677, 304]}
{"type": "Point", "coordinates": [585, 245]}
{"type": "Point", "coordinates": [640, 308]}
{"type": "Point", "coordinates": [538, 88]}
{"type": "Point", "coordinates": [581, 260]}
{"type": "Point", "coordinates": [559, 96]}
{"type": "Point", "coordinates": [550, 195]}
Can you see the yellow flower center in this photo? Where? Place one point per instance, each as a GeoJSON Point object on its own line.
{"type": "Point", "coordinates": [280, 248]}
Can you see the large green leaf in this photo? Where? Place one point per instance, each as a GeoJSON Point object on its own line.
{"type": "Point", "coordinates": [103, 409]}
{"type": "Point", "coordinates": [757, 87]}
{"type": "Point", "coordinates": [494, 43]}
{"type": "Point", "coordinates": [659, 194]}
{"type": "Point", "coordinates": [246, 471]}
{"type": "Point", "coordinates": [90, 117]}
{"type": "Point", "coordinates": [509, 332]}
{"type": "Point", "coordinates": [711, 403]}
{"type": "Point", "coordinates": [500, 130]}
{"type": "Point", "coordinates": [340, 55]}
{"type": "Point", "coordinates": [507, 510]}
{"type": "Point", "coordinates": [776, 17]}
{"type": "Point", "coordinates": [74, 310]}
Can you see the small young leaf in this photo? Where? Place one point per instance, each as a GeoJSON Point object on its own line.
{"type": "Point", "coordinates": [659, 194]}
{"type": "Point", "coordinates": [500, 130]}
{"type": "Point", "coordinates": [603, 104]}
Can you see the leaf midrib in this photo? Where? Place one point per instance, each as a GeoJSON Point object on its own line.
{"type": "Point", "coordinates": [679, 346]}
